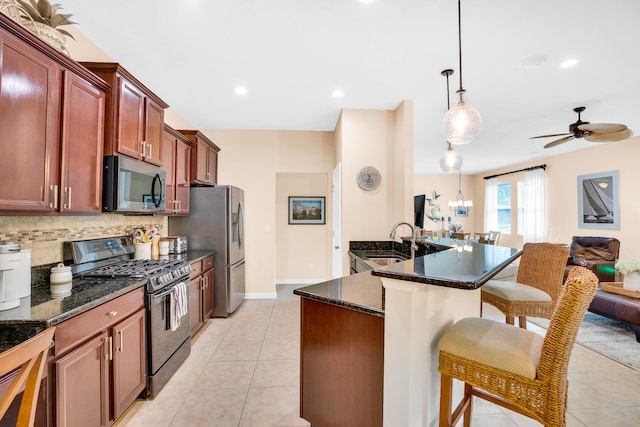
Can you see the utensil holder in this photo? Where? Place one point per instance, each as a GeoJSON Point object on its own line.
{"type": "Point", "coordinates": [142, 250]}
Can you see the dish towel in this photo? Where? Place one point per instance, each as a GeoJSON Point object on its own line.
{"type": "Point", "coordinates": [179, 307]}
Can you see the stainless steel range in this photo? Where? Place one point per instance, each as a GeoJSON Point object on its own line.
{"type": "Point", "coordinates": [168, 345]}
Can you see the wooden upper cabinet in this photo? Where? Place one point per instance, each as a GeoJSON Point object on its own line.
{"type": "Point", "coordinates": [51, 128]}
{"type": "Point", "coordinates": [29, 124]}
{"type": "Point", "coordinates": [134, 117]}
{"type": "Point", "coordinates": [176, 155]}
{"type": "Point", "coordinates": [82, 144]}
{"type": "Point", "coordinates": [204, 158]}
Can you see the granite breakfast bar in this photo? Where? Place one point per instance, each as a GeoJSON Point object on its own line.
{"type": "Point", "coordinates": [368, 341]}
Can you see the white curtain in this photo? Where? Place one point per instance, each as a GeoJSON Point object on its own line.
{"type": "Point", "coordinates": [534, 208]}
{"type": "Point", "coordinates": [491, 204]}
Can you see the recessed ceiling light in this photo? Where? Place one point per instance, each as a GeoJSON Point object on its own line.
{"type": "Point", "coordinates": [241, 90]}
{"type": "Point", "coordinates": [337, 94]}
{"type": "Point", "coordinates": [568, 63]}
{"type": "Point", "coordinates": [532, 61]}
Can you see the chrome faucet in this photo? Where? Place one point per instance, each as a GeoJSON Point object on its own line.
{"type": "Point", "coordinates": [414, 247]}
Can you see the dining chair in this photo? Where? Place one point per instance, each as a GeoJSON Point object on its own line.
{"type": "Point", "coordinates": [460, 236]}
{"type": "Point", "coordinates": [28, 360]}
{"type": "Point", "coordinates": [494, 236]}
{"type": "Point", "coordinates": [514, 368]}
{"type": "Point", "coordinates": [537, 286]}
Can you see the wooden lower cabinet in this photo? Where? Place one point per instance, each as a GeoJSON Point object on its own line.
{"type": "Point", "coordinates": [341, 367]}
{"type": "Point", "coordinates": [200, 293]}
{"type": "Point", "coordinates": [97, 379]}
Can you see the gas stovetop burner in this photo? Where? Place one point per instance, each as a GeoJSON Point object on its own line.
{"type": "Point", "coordinates": [135, 268]}
{"type": "Point", "coordinates": [111, 257]}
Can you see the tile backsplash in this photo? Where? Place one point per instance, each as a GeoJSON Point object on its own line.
{"type": "Point", "coordinates": [44, 235]}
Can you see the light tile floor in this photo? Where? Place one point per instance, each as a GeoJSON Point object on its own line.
{"type": "Point", "coordinates": [244, 371]}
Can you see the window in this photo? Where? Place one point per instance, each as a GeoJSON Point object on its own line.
{"type": "Point", "coordinates": [521, 199]}
{"type": "Point", "coordinates": [504, 207]}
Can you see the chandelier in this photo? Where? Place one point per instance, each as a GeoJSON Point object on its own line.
{"type": "Point", "coordinates": [451, 160]}
{"type": "Point", "coordinates": [460, 202]}
{"type": "Point", "coordinates": [461, 124]}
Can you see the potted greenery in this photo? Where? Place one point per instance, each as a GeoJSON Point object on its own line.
{"type": "Point", "coordinates": [42, 18]}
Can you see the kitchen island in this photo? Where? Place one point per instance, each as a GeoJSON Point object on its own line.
{"type": "Point", "coordinates": [369, 341]}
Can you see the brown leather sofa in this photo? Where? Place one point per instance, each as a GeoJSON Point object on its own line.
{"type": "Point", "coordinates": [598, 254]}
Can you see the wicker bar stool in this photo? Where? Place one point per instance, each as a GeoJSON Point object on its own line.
{"type": "Point", "coordinates": [28, 358]}
{"type": "Point", "coordinates": [511, 367]}
{"type": "Point", "coordinates": [537, 285]}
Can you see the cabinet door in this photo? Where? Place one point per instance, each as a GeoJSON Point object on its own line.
{"type": "Point", "coordinates": [169, 166]}
{"type": "Point", "coordinates": [195, 304]}
{"type": "Point", "coordinates": [207, 294]}
{"type": "Point", "coordinates": [129, 361]}
{"type": "Point", "coordinates": [82, 385]}
{"type": "Point", "coordinates": [153, 134]}
{"type": "Point", "coordinates": [182, 172]}
{"type": "Point", "coordinates": [82, 143]}
{"type": "Point", "coordinates": [130, 135]}
{"type": "Point", "coordinates": [202, 163]}
{"type": "Point", "coordinates": [213, 166]}
{"type": "Point", "coordinates": [29, 127]}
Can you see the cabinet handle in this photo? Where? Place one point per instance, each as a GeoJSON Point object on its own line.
{"type": "Point", "coordinates": [68, 191]}
{"type": "Point", "coordinates": [150, 151]}
{"type": "Point", "coordinates": [179, 206]}
{"type": "Point", "coordinates": [112, 313]}
{"type": "Point", "coordinates": [208, 176]}
{"type": "Point", "coordinates": [121, 347]}
{"type": "Point", "coordinates": [176, 209]}
{"type": "Point", "coordinates": [54, 188]}
{"type": "Point", "coordinates": [144, 148]}
{"type": "Point", "coordinates": [110, 348]}
{"type": "Point", "coordinates": [108, 355]}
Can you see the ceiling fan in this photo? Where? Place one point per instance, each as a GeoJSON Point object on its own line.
{"type": "Point", "coordinates": [594, 132]}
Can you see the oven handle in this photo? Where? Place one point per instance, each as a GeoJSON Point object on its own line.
{"type": "Point", "coordinates": [165, 293]}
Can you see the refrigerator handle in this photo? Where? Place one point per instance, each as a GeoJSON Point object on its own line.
{"type": "Point", "coordinates": [238, 266]}
{"type": "Point", "coordinates": [240, 223]}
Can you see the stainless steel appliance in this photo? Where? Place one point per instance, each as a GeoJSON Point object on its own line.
{"type": "Point", "coordinates": [132, 186]}
{"type": "Point", "coordinates": [167, 347]}
{"type": "Point", "coordinates": [216, 222]}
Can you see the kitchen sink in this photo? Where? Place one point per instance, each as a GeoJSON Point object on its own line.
{"type": "Point", "coordinates": [387, 260]}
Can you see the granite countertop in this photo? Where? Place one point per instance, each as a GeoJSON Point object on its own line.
{"type": "Point", "coordinates": [41, 310]}
{"type": "Point", "coordinates": [361, 292]}
{"type": "Point", "coordinates": [468, 267]}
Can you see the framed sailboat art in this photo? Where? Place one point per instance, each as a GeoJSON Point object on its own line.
{"type": "Point", "coordinates": [598, 203]}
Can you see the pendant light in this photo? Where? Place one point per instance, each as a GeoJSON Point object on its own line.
{"type": "Point", "coordinates": [451, 160]}
{"type": "Point", "coordinates": [460, 202]}
{"type": "Point", "coordinates": [461, 124]}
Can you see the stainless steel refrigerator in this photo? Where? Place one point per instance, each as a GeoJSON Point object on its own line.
{"type": "Point", "coordinates": [216, 222]}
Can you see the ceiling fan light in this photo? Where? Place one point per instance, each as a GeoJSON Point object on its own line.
{"type": "Point", "coordinates": [462, 122]}
{"type": "Point", "coordinates": [451, 160]}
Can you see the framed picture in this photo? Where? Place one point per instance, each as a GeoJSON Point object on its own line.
{"type": "Point", "coordinates": [147, 201]}
{"type": "Point", "coordinates": [306, 210]}
{"type": "Point", "coordinates": [462, 211]}
{"type": "Point", "coordinates": [598, 204]}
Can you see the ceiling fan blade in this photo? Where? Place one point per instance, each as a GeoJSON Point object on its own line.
{"type": "Point", "coordinates": [559, 141]}
{"type": "Point", "coordinates": [602, 127]}
{"type": "Point", "coordinates": [608, 137]}
{"type": "Point", "coordinates": [550, 135]}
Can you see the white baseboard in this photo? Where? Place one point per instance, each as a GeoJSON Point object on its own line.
{"type": "Point", "coordinates": [299, 281]}
{"type": "Point", "coordinates": [261, 295]}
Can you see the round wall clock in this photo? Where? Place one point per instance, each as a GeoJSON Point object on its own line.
{"type": "Point", "coordinates": [369, 178]}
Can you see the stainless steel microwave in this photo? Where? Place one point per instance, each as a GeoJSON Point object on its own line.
{"type": "Point", "coordinates": [132, 186]}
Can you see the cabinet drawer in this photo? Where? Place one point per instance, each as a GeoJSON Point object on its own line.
{"type": "Point", "coordinates": [196, 269]}
{"type": "Point", "coordinates": [207, 263]}
{"type": "Point", "coordinates": [83, 326]}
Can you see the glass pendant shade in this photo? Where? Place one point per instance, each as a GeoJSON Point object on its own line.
{"type": "Point", "coordinates": [451, 160]}
{"type": "Point", "coordinates": [461, 124]}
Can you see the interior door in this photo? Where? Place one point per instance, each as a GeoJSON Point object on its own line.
{"type": "Point", "coordinates": [336, 240]}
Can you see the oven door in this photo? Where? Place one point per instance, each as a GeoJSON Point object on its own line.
{"type": "Point", "coordinates": [163, 341]}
